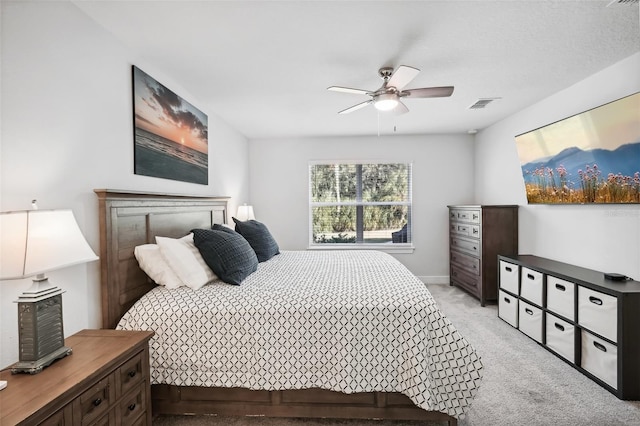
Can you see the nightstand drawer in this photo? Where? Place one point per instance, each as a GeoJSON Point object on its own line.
{"type": "Point", "coordinates": [95, 401]}
{"type": "Point", "coordinates": [131, 407]}
{"type": "Point", "coordinates": [469, 263]}
{"type": "Point", "coordinates": [130, 375]}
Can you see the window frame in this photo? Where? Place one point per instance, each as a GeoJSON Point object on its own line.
{"type": "Point", "coordinates": [386, 247]}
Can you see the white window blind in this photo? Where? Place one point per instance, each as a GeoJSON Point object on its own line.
{"type": "Point", "coordinates": [358, 204]}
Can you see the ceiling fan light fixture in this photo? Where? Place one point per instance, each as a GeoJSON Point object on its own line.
{"type": "Point", "coordinates": [386, 101]}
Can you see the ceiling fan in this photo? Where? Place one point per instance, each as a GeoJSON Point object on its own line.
{"type": "Point", "coordinates": [387, 97]}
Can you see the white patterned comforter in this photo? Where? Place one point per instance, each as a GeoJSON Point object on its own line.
{"type": "Point", "coordinates": [349, 321]}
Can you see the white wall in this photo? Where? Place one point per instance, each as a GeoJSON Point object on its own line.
{"type": "Point", "coordinates": [67, 128]}
{"type": "Point", "coordinates": [442, 175]}
{"type": "Point", "coordinates": [599, 237]}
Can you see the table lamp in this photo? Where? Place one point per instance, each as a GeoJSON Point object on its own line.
{"type": "Point", "coordinates": [33, 242]}
{"type": "Point", "coordinates": [245, 213]}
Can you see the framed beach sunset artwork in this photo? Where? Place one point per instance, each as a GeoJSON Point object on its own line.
{"type": "Point", "coordinates": [589, 158]}
{"type": "Point", "coordinates": [170, 134]}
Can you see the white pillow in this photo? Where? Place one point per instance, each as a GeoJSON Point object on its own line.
{"type": "Point", "coordinates": [185, 260]}
{"type": "Point", "coordinates": [154, 265]}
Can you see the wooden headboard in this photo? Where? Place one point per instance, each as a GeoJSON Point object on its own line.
{"type": "Point", "coordinates": [128, 219]}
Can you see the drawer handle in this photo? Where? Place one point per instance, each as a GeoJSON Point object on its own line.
{"type": "Point", "coordinates": [529, 311]}
{"type": "Point", "coordinates": [531, 277]}
{"type": "Point", "coordinates": [475, 216]}
{"type": "Point", "coordinates": [507, 300]}
{"type": "Point", "coordinates": [559, 326]}
{"type": "Point", "coordinates": [595, 300]}
{"type": "Point", "coordinates": [132, 407]}
{"type": "Point", "coordinates": [560, 287]}
{"type": "Point", "coordinates": [475, 231]}
{"type": "Point", "coordinates": [600, 346]}
{"type": "Point", "coordinates": [132, 373]}
{"type": "Point", "coordinates": [475, 248]}
{"type": "Point", "coordinates": [508, 268]}
{"type": "Point", "coordinates": [97, 402]}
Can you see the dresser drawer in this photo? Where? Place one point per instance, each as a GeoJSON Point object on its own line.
{"type": "Point", "coordinates": [600, 358]}
{"type": "Point", "coordinates": [131, 407]}
{"type": "Point", "coordinates": [531, 285]}
{"type": "Point", "coordinates": [561, 297]}
{"type": "Point", "coordinates": [508, 308]}
{"type": "Point", "coordinates": [598, 312]}
{"type": "Point", "coordinates": [465, 229]}
{"type": "Point", "coordinates": [95, 401]}
{"type": "Point", "coordinates": [509, 277]}
{"type": "Point", "coordinates": [465, 279]}
{"type": "Point", "coordinates": [129, 375]}
{"type": "Point", "coordinates": [471, 247]}
{"type": "Point", "coordinates": [472, 216]}
{"type": "Point", "coordinates": [560, 337]}
{"type": "Point", "coordinates": [469, 263]}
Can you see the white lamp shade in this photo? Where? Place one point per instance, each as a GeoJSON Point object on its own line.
{"type": "Point", "coordinates": [245, 212]}
{"type": "Point", "coordinates": [36, 241]}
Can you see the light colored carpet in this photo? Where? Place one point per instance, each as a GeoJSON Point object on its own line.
{"type": "Point", "coordinates": [523, 383]}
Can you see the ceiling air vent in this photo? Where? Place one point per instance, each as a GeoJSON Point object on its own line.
{"type": "Point", "coordinates": [622, 2]}
{"type": "Point", "coordinates": [482, 102]}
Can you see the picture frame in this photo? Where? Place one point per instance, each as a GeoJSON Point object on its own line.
{"type": "Point", "coordinates": [170, 134]}
{"type": "Point", "coordinates": [588, 158]}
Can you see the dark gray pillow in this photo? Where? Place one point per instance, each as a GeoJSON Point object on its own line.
{"type": "Point", "coordinates": [219, 227]}
{"type": "Point", "coordinates": [259, 237]}
{"type": "Point", "coordinates": [228, 254]}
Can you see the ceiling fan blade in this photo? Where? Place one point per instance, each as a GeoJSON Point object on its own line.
{"type": "Point", "coordinates": [400, 109]}
{"type": "Point", "coordinates": [348, 90]}
{"type": "Point", "coordinates": [356, 107]}
{"type": "Point", "coordinates": [428, 92]}
{"type": "Point", "coordinates": [402, 76]}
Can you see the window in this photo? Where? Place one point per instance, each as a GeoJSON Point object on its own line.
{"type": "Point", "coordinates": [360, 204]}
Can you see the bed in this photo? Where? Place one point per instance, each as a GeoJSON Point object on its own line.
{"type": "Point", "coordinates": [309, 334]}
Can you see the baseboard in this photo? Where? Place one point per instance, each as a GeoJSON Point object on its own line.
{"type": "Point", "coordinates": [435, 279]}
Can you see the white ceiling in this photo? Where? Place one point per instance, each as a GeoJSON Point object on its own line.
{"type": "Point", "coordinates": [264, 66]}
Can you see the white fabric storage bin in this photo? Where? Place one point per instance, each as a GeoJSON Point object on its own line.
{"type": "Point", "coordinates": [508, 308]}
{"type": "Point", "coordinates": [509, 277]}
{"type": "Point", "coordinates": [530, 320]}
{"type": "Point", "coordinates": [560, 337]}
{"type": "Point", "coordinates": [600, 358]}
{"type": "Point", "coordinates": [561, 297]}
{"type": "Point", "coordinates": [531, 285]}
{"type": "Point", "coordinates": [598, 312]}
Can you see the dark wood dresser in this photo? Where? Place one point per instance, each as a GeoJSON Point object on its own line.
{"type": "Point", "coordinates": [105, 381]}
{"type": "Point", "coordinates": [477, 235]}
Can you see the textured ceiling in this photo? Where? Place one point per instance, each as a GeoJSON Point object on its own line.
{"type": "Point", "coordinates": [264, 66]}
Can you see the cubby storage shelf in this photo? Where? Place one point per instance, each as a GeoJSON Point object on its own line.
{"type": "Point", "coordinates": [590, 322]}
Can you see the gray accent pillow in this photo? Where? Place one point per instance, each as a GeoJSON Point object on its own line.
{"type": "Point", "coordinates": [259, 237]}
{"type": "Point", "coordinates": [228, 254]}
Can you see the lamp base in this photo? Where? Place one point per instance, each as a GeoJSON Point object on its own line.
{"type": "Point", "coordinates": [34, 367]}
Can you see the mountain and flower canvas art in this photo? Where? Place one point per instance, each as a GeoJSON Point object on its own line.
{"type": "Point", "coordinates": [592, 157]}
{"type": "Point", "coordinates": [170, 134]}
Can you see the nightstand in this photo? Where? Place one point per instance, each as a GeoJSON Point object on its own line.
{"type": "Point", "coordinates": [104, 381]}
